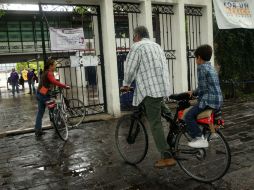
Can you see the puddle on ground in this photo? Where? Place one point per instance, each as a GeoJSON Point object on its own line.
{"type": "Point", "coordinates": [79, 172]}
{"type": "Point", "coordinates": [82, 171]}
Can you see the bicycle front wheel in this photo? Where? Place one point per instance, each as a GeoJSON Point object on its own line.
{"type": "Point", "coordinates": [204, 164]}
{"type": "Point", "coordinates": [131, 139]}
{"type": "Point", "coordinates": [75, 111]}
{"type": "Point", "coordinates": [60, 125]}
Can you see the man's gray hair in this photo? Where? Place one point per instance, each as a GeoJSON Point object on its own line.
{"type": "Point", "coordinates": [141, 31]}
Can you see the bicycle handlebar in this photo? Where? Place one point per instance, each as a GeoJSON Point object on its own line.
{"type": "Point", "coordinates": [182, 96]}
{"type": "Point", "coordinates": [126, 89]}
{"type": "Point", "coordinates": [54, 93]}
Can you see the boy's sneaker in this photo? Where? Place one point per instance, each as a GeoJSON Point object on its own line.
{"type": "Point", "coordinates": [198, 142]}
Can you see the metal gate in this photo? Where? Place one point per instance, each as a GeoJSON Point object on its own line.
{"type": "Point", "coordinates": [126, 19]}
{"type": "Point", "coordinates": [193, 34]}
{"type": "Point", "coordinates": [162, 30]}
{"type": "Point", "coordinates": [87, 83]}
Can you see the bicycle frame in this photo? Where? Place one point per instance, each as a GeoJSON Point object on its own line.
{"type": "Point", "coordinates": [52, 103]}
{"type": "Point", "coordinates": [187, 157]}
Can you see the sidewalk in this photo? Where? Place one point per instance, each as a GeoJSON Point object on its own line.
{"type": "Point", "coordinates": [89, 160]}
{"type": "Point", "coordinates": [18, 112]}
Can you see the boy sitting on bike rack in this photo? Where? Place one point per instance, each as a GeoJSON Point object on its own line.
{"type": "Point", "coordinates": [208, 92]}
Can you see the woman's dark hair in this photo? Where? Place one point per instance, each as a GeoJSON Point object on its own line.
{"type": "Point", "coordinates": [204, 51]}
{"type": "Point", "coordinates": [48, 63]}
{"type": "Point", "coordinates": [141, 31]}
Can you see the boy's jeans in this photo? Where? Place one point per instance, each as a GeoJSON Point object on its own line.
{"type": "Point", "coordinates": [190, 119]}
{"type": "Point", "coordinates": [15, 85]}
{"type": "Point", "coordinates": [41, 109]}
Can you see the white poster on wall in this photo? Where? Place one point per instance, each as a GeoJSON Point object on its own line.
{"type": "Point", "coordinates": [67, 39]}
{"type": "Point", "coordinates": [234, 13]}
{"type": "Point", "coordinates": [89, 60]}
{"type": "Point", "coordinates": [74, 61]}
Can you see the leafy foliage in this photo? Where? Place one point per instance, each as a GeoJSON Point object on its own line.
{"type": "Point", "coordinates": [32, 65]}
{"type": "Point", "coordinates": [2, 13]}
{"type": "Point", "coordinates": [234, 52]}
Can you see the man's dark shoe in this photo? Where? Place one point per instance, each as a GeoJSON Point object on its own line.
{"type": "Point", "coordinates": [39, 133]}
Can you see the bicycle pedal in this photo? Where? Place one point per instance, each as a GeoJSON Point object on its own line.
{"type": "Point", "coordinates": [167, 154]}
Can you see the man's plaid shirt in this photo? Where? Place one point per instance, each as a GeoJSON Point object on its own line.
{"type": "Point", "coordinates": [208, 90]}
{"type": "Point", "coordinates": [146, 64]}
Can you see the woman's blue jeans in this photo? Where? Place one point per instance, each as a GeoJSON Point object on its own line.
{"type": "Point", "coordinates": [41, 109]}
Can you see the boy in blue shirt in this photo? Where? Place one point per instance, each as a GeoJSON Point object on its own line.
{"type": "Point", "coordinates": [208, 92]}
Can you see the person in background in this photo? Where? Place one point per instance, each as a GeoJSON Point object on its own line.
{"type": "Point", "coordinates": [8, 83]}
{"type": "Point", "coordinates": [14, 81]}
{"type": "Point", "coordinates": [30, 79]}
{"type": "Point", "coordinates": [35, 79]}
{"type": "Point", "coordinates": [24, 74]}
{"type": "Point", "coordinates": [22, 82]}
{"type": "Point", "coordinates": [46, 84]}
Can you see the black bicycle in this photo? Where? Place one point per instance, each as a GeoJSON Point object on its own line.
{"type": "Point", "coordinates": [64, 113]}
{"type": "Point", "coordinates": [202, 164]}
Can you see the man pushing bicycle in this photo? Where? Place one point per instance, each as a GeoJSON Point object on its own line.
{"type": "Point", "coordinates": [146, 64]}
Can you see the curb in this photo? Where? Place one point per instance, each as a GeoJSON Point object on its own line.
{"type": "Point", "coordinates": [88, 119]}
{"type": "Point", "coordinates": [22, 131]}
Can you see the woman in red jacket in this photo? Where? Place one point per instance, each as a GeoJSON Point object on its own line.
{"type": "Point", "coordinates": [46, 84]}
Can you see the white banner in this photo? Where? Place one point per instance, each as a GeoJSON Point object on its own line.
{"type": "Point", "coordinates": [89, 60]}
{"type": "Point", "coordinates": [74, 61]}
{"type": "Point", "coordinates": [234, 13]}
{"type": "Point", "coordinates": [67, 39]}
{"type": "Point", "coordinates": [86, 61]}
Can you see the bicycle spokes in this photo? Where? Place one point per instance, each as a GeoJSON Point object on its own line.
{"type": "Point", "coordinates": [131, 140]}
{"type": "Point", "coordinates": [203, 164]}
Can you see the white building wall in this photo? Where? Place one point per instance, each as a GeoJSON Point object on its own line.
{"type": "Point", "coordinates": [145, 18]}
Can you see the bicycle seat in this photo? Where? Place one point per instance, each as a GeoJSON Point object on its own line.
{"type": "Point", "coordinates": [50, 104]}
{"type": "Point", "coordinates": [181, 96]}
{"type": "Point", "coordinates": [205, 114]}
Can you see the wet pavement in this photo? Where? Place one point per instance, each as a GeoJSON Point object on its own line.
{"type": "Point", "coordinates": [18, 112]}
{"type": "Point", "coordinates": [89, 159]}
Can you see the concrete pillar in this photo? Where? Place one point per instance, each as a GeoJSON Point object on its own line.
{"type": "Point", "coordinates": [132, 24]}
{"type": "Point", "coordinates": [110, 61]}
{"type": "Point", "coordinates": [145, 18]}
{"type": "Point", "coordinates": [207, 25]}
{"type": "Point", "coordinates": [180, 71]}
{"type": "Point", "coordinates": [97, 49]}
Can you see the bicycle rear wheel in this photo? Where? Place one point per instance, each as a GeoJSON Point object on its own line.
{"type": "Point", "coordinates": [204, 164]}
{"type": "Point", "coordinates": [131, 139]}
{"type": "Point", "coordinates": [75, 110]}
{"type": "Point", "coordinates": [60, 125]}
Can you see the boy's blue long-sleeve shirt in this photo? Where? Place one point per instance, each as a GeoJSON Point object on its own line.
{"type": "Point", "coordinates": [209, 92]}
